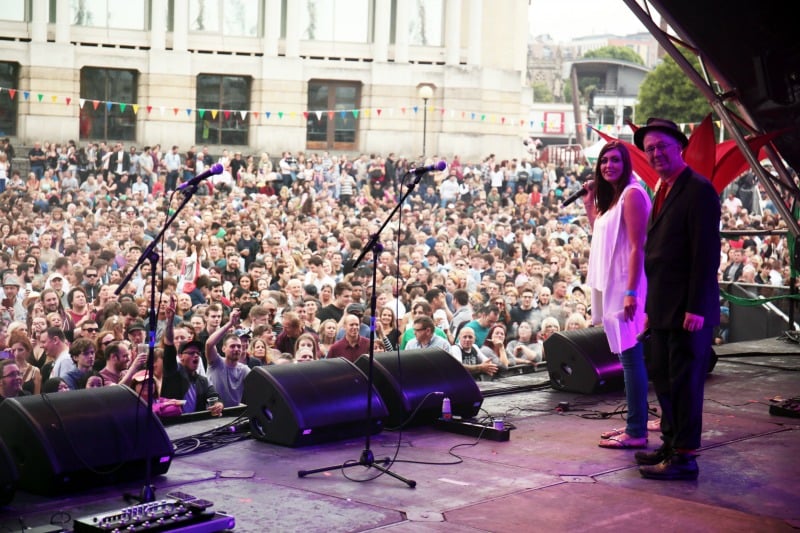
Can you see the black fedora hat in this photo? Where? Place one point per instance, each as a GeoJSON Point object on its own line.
{"type": "Point", "coordinates": [662, 125]}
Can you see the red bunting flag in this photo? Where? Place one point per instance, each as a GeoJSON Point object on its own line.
{"type": "Point", "coordinates": [95, 103]}
{"type": "Point", "coordinates": [226, 113]}
{"type": "Point", "coordinates": [379, 111]}
{"type": "Point", "coordinates": [330, 115]}
{"type": "Point", "coordinates": [175, 110]}
{"type": "Point", "coordinates": [68, 100]}
{"type": "Point", "coordinates": [12, 92]}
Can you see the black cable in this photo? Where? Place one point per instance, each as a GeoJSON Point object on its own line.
{"type": "Point", "coordinates": [212, 439]}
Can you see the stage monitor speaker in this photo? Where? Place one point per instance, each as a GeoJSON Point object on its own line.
{"type": "Point", "coordinates": [8, 475]}
{"type": "Point", "coordinates": [310, 403]}
{"type": "Point", "coordinates": [581, 361]}
{"type": "Point", "coordinates": [77, 439]}
{"type": "Point", "coordinates": [407, 384]}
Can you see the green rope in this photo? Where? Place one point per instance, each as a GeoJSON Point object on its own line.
{"type": "Point", "coordinates": [752, 302]}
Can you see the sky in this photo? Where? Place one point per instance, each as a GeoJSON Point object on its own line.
{"type": "Point", "coordinates": [567, 19]}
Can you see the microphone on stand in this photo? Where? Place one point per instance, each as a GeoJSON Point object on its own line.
{"type": "Point", "coordinates": [583, 191]}
{"type": "Point", "coordinates": [421, 171]}
{"type": "Point", "coordinates": [195, 181]}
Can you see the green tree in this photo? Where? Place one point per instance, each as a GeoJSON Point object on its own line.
{"type": "Point", "coordinates": [668, 92]}
{"type": "Point", "coordinates": [542, 93]}
{"type": "Point", "coordinates": [614, 52]}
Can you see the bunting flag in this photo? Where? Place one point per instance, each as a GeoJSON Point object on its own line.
{"type": "Point", "coordinates": [444, 113]}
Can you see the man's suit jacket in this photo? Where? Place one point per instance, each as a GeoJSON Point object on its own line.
{"type": "Point", "coordinates": [115, 159]}
{"type": "Point", "coordinates": [682, 254]}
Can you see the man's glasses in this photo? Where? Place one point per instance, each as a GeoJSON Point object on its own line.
{"type": "Point", "coordinates": [12, 375]}
{"type": "Point", "coordinates": [661, 147]}
{"type": "Point", "coordinates": [91, 275]}
{"type": "Point", "coordinates": [91, 330]}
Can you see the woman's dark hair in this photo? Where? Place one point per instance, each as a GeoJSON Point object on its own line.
{"type": "Point", "coordinates": [51, 385]}
{"type": "Point", "coordinates": [607, 193]}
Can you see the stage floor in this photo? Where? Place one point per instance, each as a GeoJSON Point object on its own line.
{"type": "Point", "coordinates": [549, 475]}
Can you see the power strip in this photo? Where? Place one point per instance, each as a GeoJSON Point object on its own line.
{"type": "Point", "coordinates": [473, 429]}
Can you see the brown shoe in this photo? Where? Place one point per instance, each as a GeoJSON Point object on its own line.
{"type": "Point", "coordinates": [678, 466]}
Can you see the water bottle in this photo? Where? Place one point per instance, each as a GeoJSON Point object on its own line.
{"type": "Point", "coordinates": [447, 414]}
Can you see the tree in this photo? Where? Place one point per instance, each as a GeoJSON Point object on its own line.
{"type": "Point", "coordinates": [668, 92]}
{"type": "Point", "coordinates": [542, 93]}
{"type": "Point", "coordinates": [614, 52]}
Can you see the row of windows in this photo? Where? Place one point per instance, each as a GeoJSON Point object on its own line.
{"type": "Point", "coordinates": [320, 20]}
{"type": "Point", "coordinates": [214, 91]}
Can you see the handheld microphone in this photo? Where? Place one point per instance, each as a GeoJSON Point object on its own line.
{"type": "Point", "coordinates": [195, 181]}
{"type": "Point", "coordinates": [583, 191]}
{"type": "Point", "coordinates": [436, 167]}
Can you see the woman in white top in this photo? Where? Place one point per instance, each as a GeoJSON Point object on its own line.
{"type": "Point", "coordinates": [618, 209]}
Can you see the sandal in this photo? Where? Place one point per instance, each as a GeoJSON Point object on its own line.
{"type": "Point", "coordinates": [623, 441]}
{"type": "Point", "coordinates": [613, 433]}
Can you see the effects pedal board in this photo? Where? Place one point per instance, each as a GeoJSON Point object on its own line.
{"type": "Point", "coordinates": [790, 407]}
{"type": "Point", "coordinates": [179, 512]}
{"type": "Point", "coordinates": [473, 429]}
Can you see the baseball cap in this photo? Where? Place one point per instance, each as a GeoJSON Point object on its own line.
{"type": "Point", "coordinates": [136, 326]}
{"type": "Point", "coordinates": [355, 309]}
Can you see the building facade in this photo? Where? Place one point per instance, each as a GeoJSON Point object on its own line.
{"type": "Point", "coordinates": [268, 75]}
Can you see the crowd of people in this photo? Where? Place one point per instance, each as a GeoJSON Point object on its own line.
{"type": "Point", "coordinates": [259, 266]}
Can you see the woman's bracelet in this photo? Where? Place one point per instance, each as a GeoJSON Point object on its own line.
{"type": "Point", "coordinates": [630, 293]}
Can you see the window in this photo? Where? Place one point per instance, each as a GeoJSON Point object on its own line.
{"type": "Point", "coordinates": [108, 119]}
{"type": "Point", "coordinates": [9, 79]}
{"type": "Point", "coordinates": [336, 20]}
{"type": "Point", "coordinates": [425, 22]}
{"type": "Point", "coordinates": [127, 15]}
{"type": "Point", "coordinates": [14, 10]}
{"type": "Point", "coordinates": [224, 96]}
{"type": "Point", "coordinates": [239, 18]}
{"type": "Point", "coordinates": [337, 126]}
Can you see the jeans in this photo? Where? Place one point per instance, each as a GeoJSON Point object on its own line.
{"type": "Point", "coordinates": [635, 374]}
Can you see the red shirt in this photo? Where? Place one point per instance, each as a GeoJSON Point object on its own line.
{"type": "Point", "coordinates": [342, 348]}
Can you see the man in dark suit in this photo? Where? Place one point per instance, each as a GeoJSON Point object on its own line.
{"type": "Point", "coordinates": [682, 257]}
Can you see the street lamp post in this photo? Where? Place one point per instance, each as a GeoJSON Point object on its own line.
{"type": "Point", "coordinates": [426, 93]}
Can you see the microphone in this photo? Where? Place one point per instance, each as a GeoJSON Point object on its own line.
{"type": "Point", "coordinates": [195, 181]}
{"type": "Point", "coordinates": [436, 167]}
{"type": "Point", "coordinates": [421, 171]}
{"type": "Point", "coordinates": [583, 191]}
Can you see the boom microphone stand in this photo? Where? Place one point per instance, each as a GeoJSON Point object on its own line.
{"type": "Point", "coordinates": [367, 458]}
{"type": "Point", "coordinates": [147, 493]}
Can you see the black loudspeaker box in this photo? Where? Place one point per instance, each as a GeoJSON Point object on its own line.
{"type": "Point", "coordinates": [8, 475]}
{"type": "Point", "coordinates": [311, 403]}
{"type": "Point", "coordinates": [581, 361]}
{"type": "Point", "coordinates": [409, 385]}
{"type": "Point", "coordinates": [77, 439]}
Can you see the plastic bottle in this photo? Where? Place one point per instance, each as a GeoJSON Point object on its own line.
{"type": "Point", "coordinates": [447, 414]}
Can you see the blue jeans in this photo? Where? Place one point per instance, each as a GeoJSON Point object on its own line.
{"type": "Point", "coordinates": [635, 374]}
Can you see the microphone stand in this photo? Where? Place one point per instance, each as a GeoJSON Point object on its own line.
{"type": "Point", "coordinates": [367, 457]}
{"type": "Point", "coordinates": [147, 493]}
